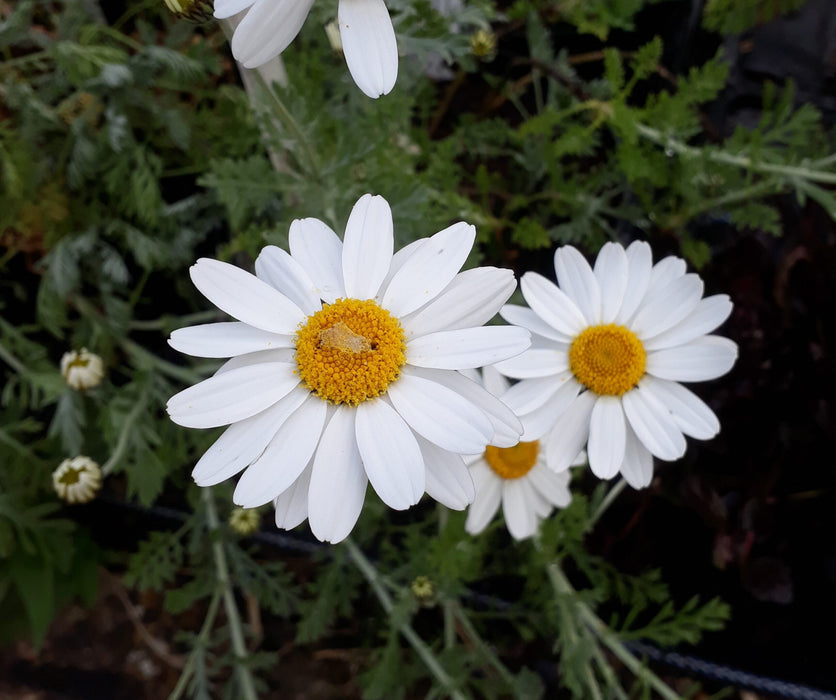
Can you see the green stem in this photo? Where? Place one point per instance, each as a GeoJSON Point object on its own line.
{"type": "Point", "coordinates": [759, 190]}
{"type": "Point", "coordinates": [124, 435]}
{"type": "Point", "coordinates": [164, 322]}
{"type": "Point", "coordinates": [245, 679]}
{"type": "Point", "coordinates": [175, 371]}
{"type": "Point", "coordinates": [370, 573]}
{"type": "Point", "coordinates": [482, 647]}
{"type": "Point", "coordinates": [606, 502]}
{"type": "Point", "coordinates": [790, 171]}
{"type": "Point", "coordinates": [605, 635]}
{"type": "Point", "coordinates": [201, 641]}
{"type": "Point", "coordinates": [12, 361]}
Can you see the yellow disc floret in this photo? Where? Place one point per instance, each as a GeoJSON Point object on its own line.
{"type": "Point", "coordinates": [350, 351]}
{"type": "Point", "coordinates": [512, 462]}
{"type": "Point", "coordinates": [607, 359]}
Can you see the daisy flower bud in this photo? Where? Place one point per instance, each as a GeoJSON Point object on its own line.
{"type": "Point", "coordinates": [82, 369]}
{"type": "Point", "coordinates": [77, 480]}
{"type": "Point", "coordinates": [244, 521]}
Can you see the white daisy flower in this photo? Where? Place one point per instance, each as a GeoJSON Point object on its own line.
{"type": "Point", "coordinates": [517, 477]}
{"type": "Point", "coordinates": [82, 369]}
{"type": "Point", "coordinates": [77, 480]}
{"type": "Point", "coordinates": [366, 33]}
{"type": "Point", "coordinates": [343, 370]}
{"type": "Point", "coordinates": [610, 346]}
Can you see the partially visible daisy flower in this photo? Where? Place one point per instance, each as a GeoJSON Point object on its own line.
{"type": "Point", "coordinates": [610, 348]}
{"type": "Point", "coordinates": [82, 369]}
{"type": "Point", "coordinates": [366, 33]}
{"type": "Point", "coordinates": [344, 370]}
{"type": "Point", "coordinates": [77, 480]}
{"type": "Point", "coordinates": [517, 477]}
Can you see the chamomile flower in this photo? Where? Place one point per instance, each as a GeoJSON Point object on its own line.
{"type": "Point", "coordinates": [517, 477]}
{"type": "Point", "coordinates": [610, 348]}
{"type": "Point", "coordinates": [344, 370]}
{"type": "Point", "coordinates": [366, 34]}
{"type": "Point", "coordinates": [82, 369]}
{"type": "Point", "coordinates": [77, 480]}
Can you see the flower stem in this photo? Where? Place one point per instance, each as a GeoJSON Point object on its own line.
{"type": "Point", "coordinates": [12, 361]}
{"type": "Point", "coordinates": [245, 679]}
{"type": "Point", "coordinates": [606, 502]}
{"type": "Point", "coordinates": [483, 649]}
{"type": "Point", "coordinates": [122, 442]}
{"type": "Point", "coordinates": [605, 635]}
{"type": "Point", "coordinates": [789, 171]}
{"type": "Point", "coordinates": [201, 641]}
{"type": "Point", "coordinates": [432, 663]}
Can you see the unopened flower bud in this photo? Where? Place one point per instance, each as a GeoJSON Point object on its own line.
{"type": "Point", "coordinates": [77, 480]}
{"type": "Point", "coordinates": [244, 520]}
{"type": "Point", "coordinates": [82, 369]}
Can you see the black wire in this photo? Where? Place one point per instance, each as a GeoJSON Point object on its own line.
{"type": "Point", "coordinates": [693, 665]}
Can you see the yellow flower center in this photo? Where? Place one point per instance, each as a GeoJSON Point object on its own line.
{"type": "Point", "coordinates": [512, 462]}
{"type": "Point", "coordinates": [607, 359]}
{"type": "Point", "coordinates": [350, 351]}
{"type": "Point", "coordinates": [70, 477]}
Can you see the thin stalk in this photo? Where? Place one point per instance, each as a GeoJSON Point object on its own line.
{"type": "Point", "coordinates": [759, 190]}
{"type": "Point", "coordinates": [430, 661]}
{"type": "Point", "coordinates": [236, 632]}
{"type": "Point", "coordinates": [745, 162]}
{"type": "Point", "coordinates": [12, 361]}
{"type": "Point", "coordinates": [605, 635]}
{"type": "Point", "coordinates": [606, 502]}
{"type": "Point", "coordinates": [201, 641]}
{"type": "Point", "coordinates": [484, 650]}
{"type": "Point", "coordinates": [163, 322]}
{"type": "Point", "coordinates": [446, 604]}
{"type": "Point", "coordinates": [122, 442]}
{"type": "Point", "coordinates": [175, 371]}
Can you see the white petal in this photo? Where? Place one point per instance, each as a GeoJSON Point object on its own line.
{"type": "Point", "coordinates": [541, 420]}
{"type": "Point", "coordinates": [526, 318]}
{"type": "Point", "coordinates": [390, 454]}
{"type": "Point", "coordinates": [292, 504]}
{"type": "Point", "coordinates": [338, 480]}
{"type": "Point", "coordinates": [467, 347]}
{"type": "Point", "coordinates": [552, 304]}
{"type": "Point", "coordinates": [637, 468]}
{"type": "Point", "coordinates": [242, 442]}
{"type": "Point", "coordinates": [575, 277]}
{"type": "Point", "coordinates": [246, 297]}
{"type": "Point", "coordinates": [285, 457]}
{"type": "Point", "coordinates": [691, 415]}
{"type": "Point", "coordinates": [653, 424]}
{"type": "Point", "coordinates": [448, 479]}
{"type": "Point", "coordinates": [569, 434]}
{"type": "Point", "coordinates": [606, 437]}
{"type": "Point", "coordinates": [554, 486]}
{"type": "Point", "coordinates": [398, 261]}
{"type": "Point", "coordinates": [520, 516]}
{"type": "Point", "coordinates": [664, 272]}
{"type": "Point", "coordinates": [708, 314]}
{"type": "Point", "coordinates": [232, 396]}
{"type": "Point", "coordinates": [429, 270]}
{"type": "Point", "coordinates": [369, 44]}
{"type": "Point", "coordinates": [639, 267]}
{"type": "Point", "coordinates": [707, 357]}
{"type": "Point", "coordinates": [488, 497]}
{"type": "Point", "coordinates": [225, 339]}
{"type": "Point", "coordinates": [440, 414]}
{"type": "Point", "coordinates": [227, 8]}
{"type": "Point", "coordinates": [493, 381]}
{"type": "Point", "coordinates": [320, 252]}
{"type": "Point", "coordinates": [268, 29]}
{"type": "Point", "coordinates": [506, 425]}
{"type": "Point", "coordinates": [611, 271]}
{"type": "Point", "coordinates": [669, 306]}
{"type": "Point", "coordinates": [279, 269]}
{"type": "Point", "coordinates": [367, 247]}
{"type": "Point", "coordinates": [258, 357]}
{"type": "Point", "coordinates": [530, 394]}
{"type": "Point", "coordinates": [535, 362]}
{"type": "Point", "coordinates": [471, 299]}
